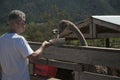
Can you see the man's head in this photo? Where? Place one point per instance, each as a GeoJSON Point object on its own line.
{"type": "Point", "coordinates": [17, 21]}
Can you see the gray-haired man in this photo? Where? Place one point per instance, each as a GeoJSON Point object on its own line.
{"type": "Point", "coordinates": [15, 50]}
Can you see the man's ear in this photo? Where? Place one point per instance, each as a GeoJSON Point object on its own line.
{"type": "Point", "coordinates": [16, 23]}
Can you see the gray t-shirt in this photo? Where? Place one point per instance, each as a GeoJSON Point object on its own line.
{"type": "Point", "coordinates": [14, 50]}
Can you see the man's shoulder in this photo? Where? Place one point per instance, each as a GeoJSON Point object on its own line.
{"type": "Point", "coordinates": [18, 36]}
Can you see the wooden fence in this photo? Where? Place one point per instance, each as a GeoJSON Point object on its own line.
{"type": "Point", "coordinates": [73, 58]}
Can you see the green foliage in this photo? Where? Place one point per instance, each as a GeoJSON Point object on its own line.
{"type": "Point", "coordinates": [37, 32]}
{"type": "Point", "coordinates": [44, 15]}
{"type": "Point", "coordinates": [75, 9]}
{"type": "Point", "coordinates": [73, 42]}
{"type": "Point", "coordinates": [3, 29]}
{"type": "Point", "coordinates": [97, 42]}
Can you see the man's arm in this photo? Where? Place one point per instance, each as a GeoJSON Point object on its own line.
{"type": "Point", "coordinates": [39, 51]}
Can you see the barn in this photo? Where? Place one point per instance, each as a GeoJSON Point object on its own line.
{"type": "Point", "coordinates": [98, 27]}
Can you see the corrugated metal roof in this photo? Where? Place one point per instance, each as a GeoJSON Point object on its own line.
{"type": "Point", "coordinates": [112, 19]}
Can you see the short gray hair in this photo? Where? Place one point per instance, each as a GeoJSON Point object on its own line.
{"type": "Point", "coordinates": [16, 15]}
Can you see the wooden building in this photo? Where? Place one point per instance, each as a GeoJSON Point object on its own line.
{"type": "Point", "coordinates": [97, 27]}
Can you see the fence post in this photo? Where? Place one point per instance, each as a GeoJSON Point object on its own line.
{"type": "Point", "coordinates": [78, 70]}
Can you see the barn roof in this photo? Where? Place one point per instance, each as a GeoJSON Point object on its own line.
{"type": "Point", "coordinates": [109, 18]}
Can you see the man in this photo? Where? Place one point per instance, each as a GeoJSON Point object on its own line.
{"type": "Point", "coordinates": [15, 50]}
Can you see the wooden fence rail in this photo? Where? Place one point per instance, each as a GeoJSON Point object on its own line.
{"type": "Point", "coordinates": [72, 57]}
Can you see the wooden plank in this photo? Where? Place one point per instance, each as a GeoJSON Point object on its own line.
{"type": "Point", "coordinates": [98, 35]}
{"type": "Point", "coordinates": [84, 23]}
{"type": "Point", "coordinates": [77, 75]}
{"type": "Point", "coordinates": [73, 36]}
{"type": "Point", "coordinates": [100, 56]}
{"type": "Point", "coordinates": [94, 31]}
{"type": "Point", "coordinates": [59, 64]}
{"type": "Point", "coordinates": [90, 30]}
{"type": "Point", "coordinates": [108, 35]}
{"type": "Point", "coordinates": [94, 76]}
{"type": "Point", "coordinates": [87, 55]}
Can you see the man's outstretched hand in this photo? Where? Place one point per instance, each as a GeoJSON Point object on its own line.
{"type": "Point", "coordinates": [46, 44]}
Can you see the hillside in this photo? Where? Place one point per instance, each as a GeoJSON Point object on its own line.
{"type": "Point", "coordinates": [47, 13]}
{"type": "Point", "coordinates": [71, 9]}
